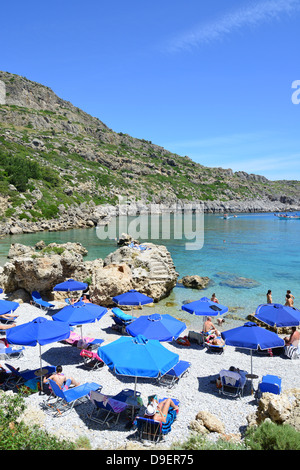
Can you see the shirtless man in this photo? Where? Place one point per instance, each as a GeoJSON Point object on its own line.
{"type": "Point", "coordinates": [60, 378]}
{"type": "Point", "coordinates": [293, 338]}
{"type": "Point", "coordinates": [209, 327]}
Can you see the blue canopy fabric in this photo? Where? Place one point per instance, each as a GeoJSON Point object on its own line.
{"type": "Point", "coordinates": [160, 327]}
{"type": "Point", "coordinates": [204, 306]}
{"type": "Point", "coordinates": [38, 331]}
{"type": "Point", "coordinates": [252, 336]}
{"type": "Point", "coordinates": [80, 313]}
{"type": "Point", "coordinates": [132, 297]}
{"type": "Point", "coordinates": [278, 315]}
{"type": "Point", "coordinates": [138, 357]}
{"type": "Point", "coordinates": [70, 285]}
{"type": "Point", "coordinates": [7, 306]}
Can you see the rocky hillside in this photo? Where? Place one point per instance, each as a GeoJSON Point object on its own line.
{"type": "Point", "coordinates": [54, 156]}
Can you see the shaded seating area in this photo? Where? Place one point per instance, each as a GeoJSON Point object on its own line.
{"type": "Point", "coordinates": [107, 409]}
{"type": "Point", "coordinates": [39, 302]}
{"type": "Point", "coordinates": [152, 430]}
{"type": "Point", "coordinates": [62, 401]}
{"type": "Point", "coordinates": [82, 342]}
{"type": "Point", "coordinates": [173, 376]}
{"type": "Point", "coordinates": [232, 382]}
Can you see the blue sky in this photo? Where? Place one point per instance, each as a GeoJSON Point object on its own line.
{"type": "Point", "coordinates": [211, 80]}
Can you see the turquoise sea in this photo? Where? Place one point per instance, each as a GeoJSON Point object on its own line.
{"type": "Point", "coordinates": [258, 247]}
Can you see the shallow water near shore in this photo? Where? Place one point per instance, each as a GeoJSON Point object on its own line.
{"type": "Point", "coordinates": [258, 247]}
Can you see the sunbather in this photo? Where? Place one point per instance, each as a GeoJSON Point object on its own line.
{"type": "Point", "coordinates": [8, 316]}
{"type": "Point", "coordinates": [159, 411]}
{"type": "Point", "coordinates": [60, 378]}
{"type": "Point", "coordinates": [6, 327]}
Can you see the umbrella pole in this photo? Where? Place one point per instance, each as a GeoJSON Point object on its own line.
{"type": "Point", "coordinates": [251, 373]}
{"type": "Point", "coordinates": [41, 368]}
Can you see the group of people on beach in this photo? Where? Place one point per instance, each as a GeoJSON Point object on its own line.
{"type": "Point", "coordinates": [289, 298]}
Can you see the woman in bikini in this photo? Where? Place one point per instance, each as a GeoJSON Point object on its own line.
{"type": "Point", "coordinates": [159, 411]}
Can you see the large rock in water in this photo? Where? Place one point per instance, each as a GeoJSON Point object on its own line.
{"type": "Point", "coordinates": [40, 268]}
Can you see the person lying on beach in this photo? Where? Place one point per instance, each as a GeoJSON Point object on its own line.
{"type": "Point", "coordinates": [60, 378]}
{"type": "Point", "coordinates": [209, 328]}
{"type": "Point", "coordinates": [159, 411]}
{"type": "Point", "coordinates": [6, 327]}
{"type": "Point", "coordinates": [218, 342]}
{"type": "Point", "coordinates": [8, 316]}
{"type": "Point", "coordinates": [293, 338]}
{"type": "Point", "coordinates": [289, 301]}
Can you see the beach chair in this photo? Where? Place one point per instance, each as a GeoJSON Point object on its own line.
{"type": "Point", "coordinates": [62, 401]}
{"type": "Point", "coordinates": [11, 353]}
{"type": "Point", "coordinates": [270, 384]}
{"type": "Point", "coordinates": [121, 319]}
{"type": "Point", "coordinates": [214, 348]}
{"type": "Point", "coordinates": [106, 409]}
{"type": "Point", "coordinates": [152, 430]}
{"type": "Point", "coordinates": [91, 359]}
{"type": "Point", "coordinates": [232, 383]}
{"type": "Point", "coordinates": [83, 342]}
{"type": "Point", "coordinates": [17, 378]}
{"type": "Point", "coordinates": [172, 377]}
{"type": "Point", "coordinates": [39, 302]}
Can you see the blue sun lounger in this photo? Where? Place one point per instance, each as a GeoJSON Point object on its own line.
{"type": "Point", "coordinates": [151, 430]}
{"type": "Point", "coordinates": [174, 374]}
{"type": "Point", "coordinates": [37, 300]}
{"type": "Point", "coordinates": [17, 378]}
{"type": "Point", "coordinates": [270, 384]}
{"type": "Point", "coordinates": [107, 409]}
{"type": "Point", "coordinates": [62, 401]}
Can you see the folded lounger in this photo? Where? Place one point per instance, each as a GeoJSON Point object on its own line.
{"type": "Point", "coordinates": [174, 374]}
{"type": "Point", "coordinates": [151, 430]}
{"type": "Point", "coordinates": [62, 401]}
{"type": "Point", "coordinates": [232, 383]}
{"type": "Point", "coordinates": [106, 409]}
{"type": "Point", "coordinates": [37, 300]}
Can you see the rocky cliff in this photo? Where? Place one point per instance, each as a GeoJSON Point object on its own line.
{"type": "Point", "coordinates": [59, 165]}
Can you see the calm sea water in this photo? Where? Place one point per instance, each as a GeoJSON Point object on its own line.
{"type": "Point", "coordinates": [258, 247]}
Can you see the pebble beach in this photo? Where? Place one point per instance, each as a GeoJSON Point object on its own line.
{"type": "Point", "coordinates": [196, 391]}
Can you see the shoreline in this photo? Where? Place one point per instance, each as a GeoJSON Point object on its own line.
{"type": "Point", "coordinates": [196, 391]}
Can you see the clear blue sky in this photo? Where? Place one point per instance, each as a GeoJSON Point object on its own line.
{"type": "Point", "coordinates": [211, 80]}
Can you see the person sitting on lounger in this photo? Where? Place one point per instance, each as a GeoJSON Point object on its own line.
{"type": "Point", "coordinates": [159, 411]}
{"type": "Point", "coordinates": [293, 338]}
{"type": "Point", "coordinates": [209, 328]}
{"type": "Point", "coordinates": [60, 378]}
{"type": "Point", "coordinates": [6, 327]}
{"type": "Point", "coordinates": [8, 316]}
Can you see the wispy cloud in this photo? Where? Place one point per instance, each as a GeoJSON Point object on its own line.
{"type": "Point", "coordinates": [251, 16]}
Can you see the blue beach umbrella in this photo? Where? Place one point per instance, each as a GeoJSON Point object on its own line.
{"type": "Point", "coordinates": [132, 297]}
{"type": "Point", "coordinates": [70, 285]}
{"type": "Point", "coordinates": [7, 306]}
{"type": "Point", "coordinates": [80, 313]}
{"type": "Point", "coordinates": [160, 327]}
{"type": "Point", "coordinates": [253, 337]}
{"type": "Point", "coordinates": [205, 307]}
{"type": "Point", "coordinates": [39, 331]}
{"type": "Point", "coordinates": [278, 315]}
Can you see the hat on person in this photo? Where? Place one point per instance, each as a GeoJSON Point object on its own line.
{"type": "Point", "coordinates": [151, 409]}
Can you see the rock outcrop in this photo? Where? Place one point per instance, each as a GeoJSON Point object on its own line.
{"type": "Point", "coordinates": [40, 268]}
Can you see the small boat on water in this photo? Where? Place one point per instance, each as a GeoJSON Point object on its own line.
{"type": "Point", "coordinates": [287, 217]}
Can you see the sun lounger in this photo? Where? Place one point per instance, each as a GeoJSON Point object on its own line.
{"type": "Point", "coordinates": [62, 401]}
{"type": "Point", "coordinates": [269, 384]}
{"type": "Point", "coordinates": [106, 409]}
{"type": "Point", "coordinates": [151, 430]}
{"type": "Point", "coordinates": [214, 348]}
{"type": "Point", "coordinates": [232, 383]}
{"type": "Point", "coordinates": [174, 374]}
{"type": "Point", "coordinates": [83, 342]}
{"type": "Point", "coordinates": [91, 359]}
{"type": "Point", "coordinates": [121, 319]}
{"type": "Point", "coordinates": [18, 378]}
{"type": "Point", "coordinates": [11, 353]}
{"type": "Point", "coordinates": [39, 302]}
